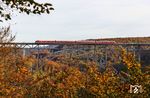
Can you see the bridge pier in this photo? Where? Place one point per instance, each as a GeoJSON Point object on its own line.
{"type": "Point", "coordinates": [99, 53]}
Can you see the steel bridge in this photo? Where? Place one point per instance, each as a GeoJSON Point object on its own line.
{"type": "Point", "coordinates": [101, 53]}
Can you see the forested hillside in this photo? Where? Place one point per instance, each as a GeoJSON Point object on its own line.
{"type": "Point", "coordinates": [128, 39]}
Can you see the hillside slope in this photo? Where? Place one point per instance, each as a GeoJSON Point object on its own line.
{"type": "Point", "coordinates": [127, 40]}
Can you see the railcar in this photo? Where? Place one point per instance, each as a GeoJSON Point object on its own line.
{"type": "Point", "coordinates": [83, 42]}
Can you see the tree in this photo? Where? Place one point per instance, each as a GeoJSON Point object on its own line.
{"type": "Point", "coordinates": [23, 6]}
{"type": "Point", "coordinates": [5, 35]}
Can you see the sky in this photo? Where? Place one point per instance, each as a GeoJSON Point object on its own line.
{"type": "Point", "coordinates": [85, 19]}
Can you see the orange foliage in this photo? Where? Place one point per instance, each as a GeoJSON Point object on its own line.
{"type": "Point", "coordinates": [59, 80]}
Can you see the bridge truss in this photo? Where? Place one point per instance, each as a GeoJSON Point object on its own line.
{"type": "Point", "coordinates": [100, 53]}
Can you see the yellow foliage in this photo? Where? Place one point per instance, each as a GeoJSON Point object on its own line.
{"type": "Point", "coordinates": [129, 60]}
{"type": "Point", "coordinates": [60, 80]}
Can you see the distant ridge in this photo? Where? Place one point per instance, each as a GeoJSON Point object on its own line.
{"type": "Point", "coordinates": [127, 39]}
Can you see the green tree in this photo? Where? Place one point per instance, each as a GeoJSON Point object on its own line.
{"type": "Point", "coordinates": [23, 6]}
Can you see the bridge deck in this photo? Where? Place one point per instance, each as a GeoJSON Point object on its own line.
{"type": "Point", "coordinates": [115, 44]}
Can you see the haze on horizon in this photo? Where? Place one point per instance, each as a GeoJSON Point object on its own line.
{"type": "Point", "coordinates": [83, 19]}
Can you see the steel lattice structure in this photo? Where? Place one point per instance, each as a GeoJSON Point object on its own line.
{"type": "Point", "coordinates": [100, 53]}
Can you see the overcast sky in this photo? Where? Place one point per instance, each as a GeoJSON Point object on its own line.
{"type": "Point", "coordinates": [85, 19]}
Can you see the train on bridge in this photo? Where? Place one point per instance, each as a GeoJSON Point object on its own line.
{"type": "Point", "coordinates": [82, 42]}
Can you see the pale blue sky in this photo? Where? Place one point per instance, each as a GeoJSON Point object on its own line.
{"type": "Point", "coordinates": [85, 19]}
